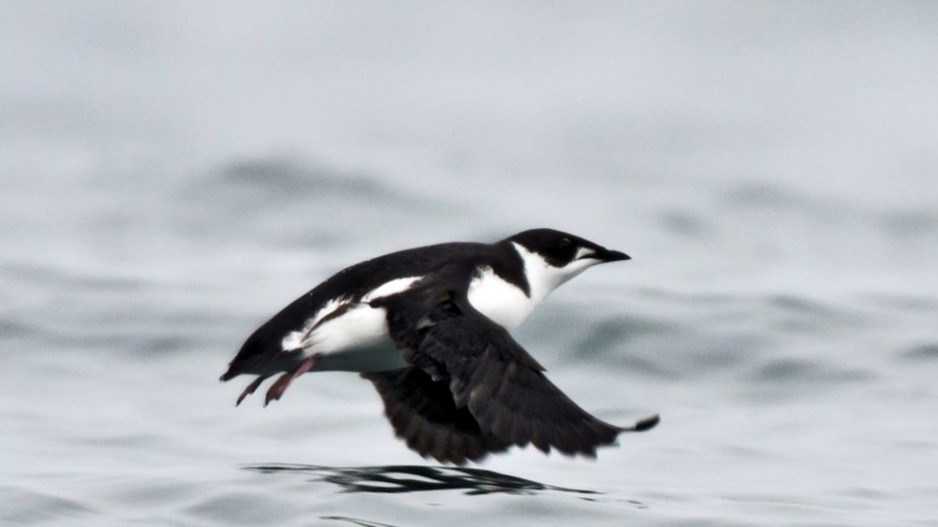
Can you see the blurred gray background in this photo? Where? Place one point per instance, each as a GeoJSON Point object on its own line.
{"type": "Point", "coordinates": [175, 172]}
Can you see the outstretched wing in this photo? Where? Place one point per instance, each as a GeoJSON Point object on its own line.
{"type": "Point", "coordinates": [490, 379]}
{"type": "Point", "coordinates": [424, 415]}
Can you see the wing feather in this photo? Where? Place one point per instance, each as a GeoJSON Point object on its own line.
{"type": "Point", "coordinates": [423, 414]}
{"type": "Point", "coordinates": [494, 386]}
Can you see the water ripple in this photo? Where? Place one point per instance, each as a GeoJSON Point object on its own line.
{"type": "Point", "coordinates": [806, 371]}
{"type": "Point", "coordinates": [23, 507]}
{"type": "Point", "coordinates": [922, 352]}
{"type": "Point", "coordinates": [393, 479]}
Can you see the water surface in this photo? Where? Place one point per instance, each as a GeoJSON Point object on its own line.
{"type": "Point", "coordinates": [174, 174]}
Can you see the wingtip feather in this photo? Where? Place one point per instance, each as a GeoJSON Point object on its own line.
{"type": "Point", "coordinates": [647, 423]}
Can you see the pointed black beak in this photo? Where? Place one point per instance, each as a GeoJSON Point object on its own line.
{"type": "Point", "coordinates": [606, 255]}
{"type": "Point", "coordinates": [613, 256]}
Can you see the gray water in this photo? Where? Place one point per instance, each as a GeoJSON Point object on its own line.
{"type": "Point", "coordinates": [175, 173]}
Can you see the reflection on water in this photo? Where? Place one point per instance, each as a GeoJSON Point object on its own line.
{"type": "Point", "coordinates": [356, 521]}
{"type": "Point", "coordinates": [415, 478]}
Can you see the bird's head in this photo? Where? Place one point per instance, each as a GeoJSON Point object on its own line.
{"type": "Point", "coordinates": [552, 257]}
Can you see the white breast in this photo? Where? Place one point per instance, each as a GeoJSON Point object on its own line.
{"type": "Point", "coordinates": [504, 303]}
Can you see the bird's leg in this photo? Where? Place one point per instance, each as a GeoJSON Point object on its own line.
{"type": "Point", "coordinates": [280, 385]}
{"type": "Point", "coordinates": [251, 388]}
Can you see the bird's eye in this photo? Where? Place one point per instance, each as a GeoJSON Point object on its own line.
{"type": "Point", "coordinates": [565, 250]}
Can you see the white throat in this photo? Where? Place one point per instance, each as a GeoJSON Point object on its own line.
{"type": "Point", "coordinates": [543, 278]}
{"type": "Point", "coordinates": [505, 303]}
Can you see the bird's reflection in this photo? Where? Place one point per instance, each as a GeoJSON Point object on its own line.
{"type": "Point", "coordinates": [414, 478]}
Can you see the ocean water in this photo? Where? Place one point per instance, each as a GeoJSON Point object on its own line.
{"type": "Point", "coordinates": [175, 173]}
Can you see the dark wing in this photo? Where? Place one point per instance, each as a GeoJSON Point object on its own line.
{"type": "Point", "coordinates": [424, 415]}
{"type": "Point", "coordinates": [489, 377]}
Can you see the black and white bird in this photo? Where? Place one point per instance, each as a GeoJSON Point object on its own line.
{"type": "Point", "coordinates": [429, 327]}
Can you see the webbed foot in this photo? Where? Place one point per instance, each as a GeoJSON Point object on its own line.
{"type": "Point", "coordinates": [283, 382]}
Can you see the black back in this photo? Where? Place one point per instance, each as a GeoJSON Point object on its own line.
{"type": "Point", "coordinates": [355, 281]}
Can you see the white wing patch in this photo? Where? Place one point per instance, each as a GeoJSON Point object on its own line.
{"type": "Point", "coordinates": [294, 339]}
{"type": "Point", "coordinates": [360, 326]}
{"type": "Point", "coordinates": [398, 285]}
{"type": "Point", "coordinates": [357, 326]}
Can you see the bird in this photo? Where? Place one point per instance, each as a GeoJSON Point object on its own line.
{"type": "Point", "coordinates": [429, 327]}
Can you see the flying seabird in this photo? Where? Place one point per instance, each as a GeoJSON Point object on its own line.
{"type": "Point", "coordinates": [429, 328]}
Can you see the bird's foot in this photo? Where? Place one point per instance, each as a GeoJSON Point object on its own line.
{"type": "Point", "coordinates": [283, 382]}
{"type": "Point", "coordinates": [251, 388]}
